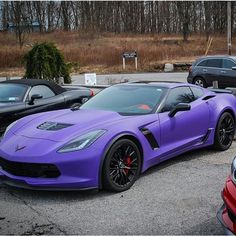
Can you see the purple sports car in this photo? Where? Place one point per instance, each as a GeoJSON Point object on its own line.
{"type": "Point", "coordinates": [115, 136]}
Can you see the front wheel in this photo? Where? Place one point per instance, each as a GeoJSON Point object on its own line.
{"type": "Point", "coordinates": [224, 133]}
{"type": "Point", "coordinates": [122, 166]}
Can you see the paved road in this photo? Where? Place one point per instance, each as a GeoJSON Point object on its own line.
{"type": "Point", "coordinates": [179, 196]}
{"type": "Point", "coordinates": [116, 78]}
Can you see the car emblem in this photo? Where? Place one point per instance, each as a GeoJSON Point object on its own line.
{"type": "Point", "coordinates": [18, 148]}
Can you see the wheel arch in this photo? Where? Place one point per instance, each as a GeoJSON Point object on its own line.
{"type": "Point", "coordinates": [114, 140]}
{"type": "Point", "coordinates": [229, 110]}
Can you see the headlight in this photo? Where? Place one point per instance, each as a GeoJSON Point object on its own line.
{"type": "Point", "coordinates": [8, 128]}
{"type": "Point", "coordinates": [233, 169]}
{"type": "Point", "coordinates": [82, 142]}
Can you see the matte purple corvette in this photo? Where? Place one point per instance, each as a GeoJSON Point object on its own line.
{"type": "Point", "coordinates": [115, 136]}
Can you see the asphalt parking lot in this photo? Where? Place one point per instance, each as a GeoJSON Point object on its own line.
{"type": "Point", "coordinates": [179, 196]}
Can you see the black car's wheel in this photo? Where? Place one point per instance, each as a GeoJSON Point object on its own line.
{"type": "Point", "coordinates": [200, 82]}
{"type": "Point", "coordinates": [224, 133]}
{"type": "Point", "coordinates": [75, 106]}
{"type": "Point", "coordinates": [122, 166]}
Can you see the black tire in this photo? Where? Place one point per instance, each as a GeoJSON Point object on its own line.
{"type": "Point", "coordinates": [122, 166]}
{"type": "Point", "coordinates": [224, 133]}
{"type": "Point", "coordinates": [200, 82]}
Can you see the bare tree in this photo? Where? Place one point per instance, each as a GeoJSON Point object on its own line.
{"type": "Point", "coordinates": [20, 21]}
{"type": "Point", "coordinates": [117, 16]}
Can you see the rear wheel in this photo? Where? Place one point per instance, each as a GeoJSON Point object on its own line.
{"type": "Point", "coordinates": [122, 166]}
{"type": "Point", "coordinates": [200, 82]}
{"type": "Point", "coordinates": [224, 133]}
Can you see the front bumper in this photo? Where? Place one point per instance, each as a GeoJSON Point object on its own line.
{"type": "Point", "coordinates": [222, 211]}
{"type": "Point", "coordinates": [227, 213]}
{"type": "Point", "coordinates": [78, 170]}
{"type": "Point", "coordinates": [22, 184]}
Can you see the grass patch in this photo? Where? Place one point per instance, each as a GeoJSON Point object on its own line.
{"type": "Point", "coordinates": [102, 52]}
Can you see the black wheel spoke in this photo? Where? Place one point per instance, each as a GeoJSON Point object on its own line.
{"type": "Point", "coordinates": [114, 173]}
{"type": "Point", "coordinates": [116, 177]}
{"type": "Point", "coordinates": [127, 150]}
{"type": "Point", "coordinates": [133, 161]}
{"type": "Point", "coordinates": [132, 153]}
{"type": "Point", "coordinates": [228, 131]}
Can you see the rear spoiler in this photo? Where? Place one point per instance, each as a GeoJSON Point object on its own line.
{"type": "Point", "coordinates": [221, 90]}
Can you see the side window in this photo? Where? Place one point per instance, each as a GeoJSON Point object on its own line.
{"type": "Point", "coordinates": [202, 63]}
{"type": "Point", "coordinates": [43, 90]}
{"type": "Point", "coordinates": [214, 63]}
{"type": "Point", "coordinates": [197, 92]}
{"type": "Point", "coordinates": [228, 64]}
{"type": "Point", "coordinates": [176, 96]}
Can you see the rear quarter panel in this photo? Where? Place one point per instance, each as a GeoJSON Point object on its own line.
{"type": "Point", "coordinates": [220, 104]}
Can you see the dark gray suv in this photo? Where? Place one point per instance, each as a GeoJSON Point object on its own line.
{"type": "Point", "coordinates": [207, 69]}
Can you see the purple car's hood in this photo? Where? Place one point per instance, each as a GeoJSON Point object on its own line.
{"type": "Point", "coordinates": [78, 123]}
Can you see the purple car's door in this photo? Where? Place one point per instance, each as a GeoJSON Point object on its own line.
{"type": "Point", "coordinates": [186, 128]}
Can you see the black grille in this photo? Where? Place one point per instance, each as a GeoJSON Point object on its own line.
{"type": "Point", "coordinates": [231, 215]}
{"type": "Point", "coordinates": [29, 169]}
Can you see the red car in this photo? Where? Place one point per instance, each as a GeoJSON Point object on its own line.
{"type": "Point", "coordinates": [227, 214]}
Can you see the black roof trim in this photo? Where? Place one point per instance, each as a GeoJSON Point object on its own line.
{"type": "Point", "coordinates": [57, 89]}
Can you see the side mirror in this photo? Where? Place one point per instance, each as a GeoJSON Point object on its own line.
{"type": "Point", "coordinates": [179, 107]}
{"type": "Point", "coordinates": [234, 68]}
{"type": "Point", "coordinates": [34, 97]}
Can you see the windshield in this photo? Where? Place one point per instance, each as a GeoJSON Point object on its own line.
{"type": "Point", "coordinates": [127, 99]}
{"type": "Point", "coordinates": [12, 92]}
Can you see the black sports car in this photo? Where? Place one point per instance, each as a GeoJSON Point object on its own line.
{"type": "Point", "coordinates": [22, 97]}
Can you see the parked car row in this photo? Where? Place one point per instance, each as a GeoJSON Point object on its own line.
{"type": "Point", "coordinates": [22, 97]}
{"type": "Point", "coordinates": [107, 142]}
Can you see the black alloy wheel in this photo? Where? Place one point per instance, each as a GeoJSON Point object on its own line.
{"type": "Point", "coordinates": [224, 133]}
{"type": "Point", "coordinates": [122, 166]}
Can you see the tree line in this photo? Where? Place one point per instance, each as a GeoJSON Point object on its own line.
{"type": "Point", "coordinates": [171, 17]}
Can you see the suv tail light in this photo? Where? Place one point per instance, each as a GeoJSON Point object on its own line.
{"type": "Point", "coordinates": [190, 69]}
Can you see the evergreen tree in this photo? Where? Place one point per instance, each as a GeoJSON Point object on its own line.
{"type": "Point", "coordinates": [45, 61]}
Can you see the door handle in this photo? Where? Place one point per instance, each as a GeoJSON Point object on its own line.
{"type": "Point", "coordinates": [204, 70]}
{"type": "Point", "coordinates": [223, 71]}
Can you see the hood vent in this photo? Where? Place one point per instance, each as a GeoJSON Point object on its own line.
{"type": "Point", "coordinates": [53, 126]}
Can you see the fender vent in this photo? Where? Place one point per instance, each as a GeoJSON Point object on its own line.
{"type": "Point", "coordinates": [53, 126]}
{"type": "Point", "coordinates": [150, 138]}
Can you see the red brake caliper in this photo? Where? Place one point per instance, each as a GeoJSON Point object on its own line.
{"type": "Point", "coordinates": [128, 163]}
